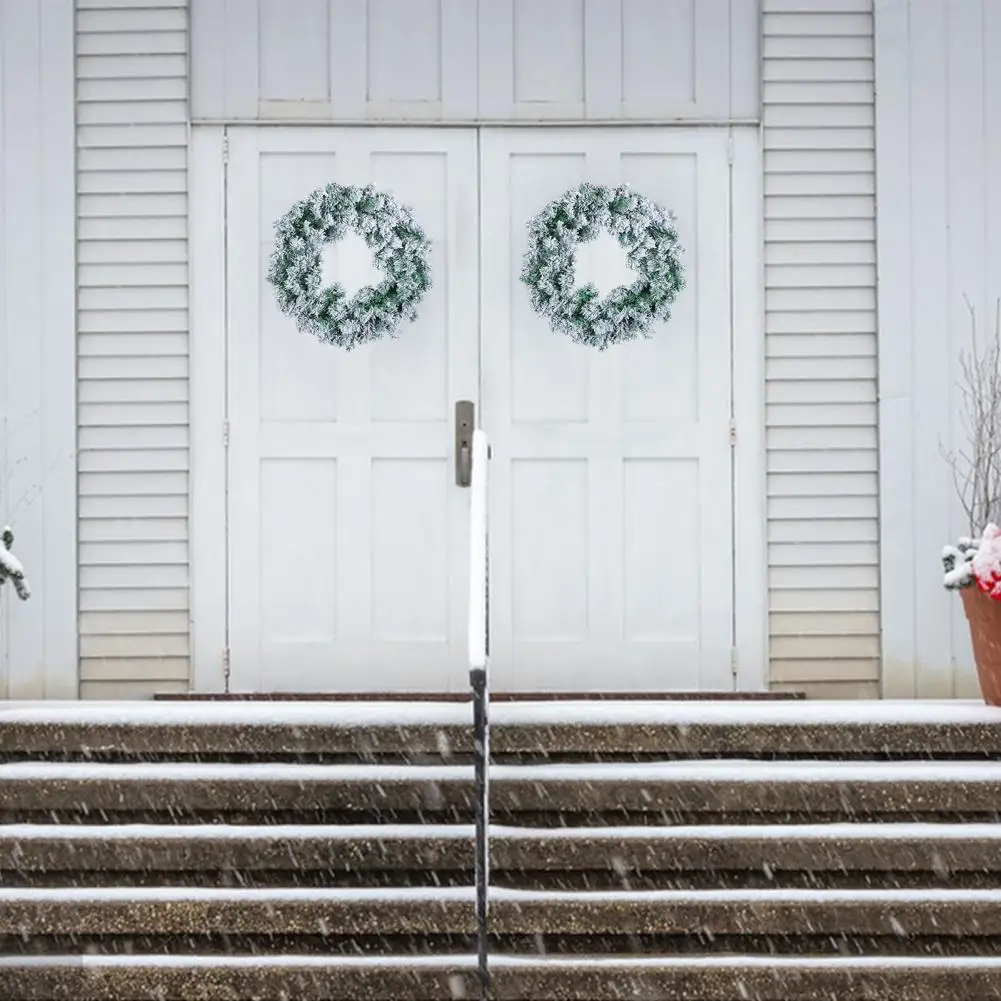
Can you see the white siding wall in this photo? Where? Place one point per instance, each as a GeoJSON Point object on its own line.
{"type": "Point", "coordinates": [939, 189]}
{"type": "Point", "coordinates": [38, 657]}
{"type": "Point", "coordinates": [132, 133]}
{"type": "Point", "coordinates": [820, 302]}
{"type": "Point", "coordinates": [469, 60]}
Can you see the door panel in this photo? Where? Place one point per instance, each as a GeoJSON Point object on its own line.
{"type": "Point", "coordinates": [348, 535]}
{"type": "Point", "coordinates": [611, 535]}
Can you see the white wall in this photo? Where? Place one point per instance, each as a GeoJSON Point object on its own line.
{"type": "Point", "coordinates": [38, 371]}
{"type": "Point", "coordinates": [469, 60]}
{"type": "Point", "coordinates": [132, 207]}
{"type": "Point", "coordinates": [939, 194]}
{"type": "Point", "coordinates": [820, 322]}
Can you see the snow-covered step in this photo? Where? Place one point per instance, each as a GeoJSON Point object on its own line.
{"type": "Point", "coordinates": [666, 790]}
{"type": "Point", "coordinates": [196, 915]}
{"type": "Point", "coordinates": [370, 730]}
{"type": "Point", "coordinates": [881, 854]}
{"type": "Point", "coordinates": [311, 978]}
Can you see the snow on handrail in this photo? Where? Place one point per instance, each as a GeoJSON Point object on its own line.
{"type": "Point", "coordinates": [478, 528]}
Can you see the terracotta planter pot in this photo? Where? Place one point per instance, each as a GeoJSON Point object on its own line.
{"type": "Point", "coordinates": [984, 616]}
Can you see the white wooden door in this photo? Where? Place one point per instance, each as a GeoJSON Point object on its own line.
{"type": "Point", "coordinates": [611, 531]}
{"type": "Point", "coordinates": [347, 533]}
{"type": "Point", "coordinates": [611, 513]}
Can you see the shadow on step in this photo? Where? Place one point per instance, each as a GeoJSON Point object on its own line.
{"type": "Point", "coordinates": [956, 943]}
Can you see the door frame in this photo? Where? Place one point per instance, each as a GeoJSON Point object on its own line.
{"type": "Point", "coordinates": [208, 411]}
{"type": "Point", "coordinates": [208, 487]}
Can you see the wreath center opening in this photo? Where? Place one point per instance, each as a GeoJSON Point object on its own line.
{"type": "Point", "coordinates": [602, 262]}
{"type": "Point", "coordinates": [349, 263]}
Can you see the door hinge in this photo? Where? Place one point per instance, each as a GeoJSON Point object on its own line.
{"type": "Point", "coordinates": [734, 661]}
{"type": "Point", "coordinates": [225, 668]}
{"type": "Point", "coordinates": [225, 434]}
{"type": "Point", "coordinates": [733, 433]}
{"type": "Point", "coordinates": [225, 148]}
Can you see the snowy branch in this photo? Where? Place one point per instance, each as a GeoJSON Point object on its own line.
{"type": "Point", "coordinates": [11, 568]}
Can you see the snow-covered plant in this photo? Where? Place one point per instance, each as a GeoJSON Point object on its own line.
{"type": "Point", "coordinates": [958, 564]}
{"type": "Point", "coordinates": [11, 568]}
{"type": "Point", "coordinates": [986, 562]}
{"type": "Point", "coordinates": [976, 467]}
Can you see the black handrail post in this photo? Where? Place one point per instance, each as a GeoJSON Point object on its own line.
{"type": "Point", "coordinates": [481, 739]}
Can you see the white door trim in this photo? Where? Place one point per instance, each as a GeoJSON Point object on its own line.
{"type": "Point", "coordinates": [207, 419]}
{"type": "Point", "coordinates": [209, 611]}
{"type": "Point", "coordinates": [750, 535]}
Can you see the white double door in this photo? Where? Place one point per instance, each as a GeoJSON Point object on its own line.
{"type": "Point", "coordinates": [611, 500]}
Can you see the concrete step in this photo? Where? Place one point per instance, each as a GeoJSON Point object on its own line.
{"type": "Point", "coordinates": [657, 792]}
{"type": "Point", "coordinates": [371, 731]}
{"type": "Point", "coordinates": [193, 913]}
{"type": "Point", "coordinates": [887, 853]}
{"type": "Point", "coordinates": [312, 978]}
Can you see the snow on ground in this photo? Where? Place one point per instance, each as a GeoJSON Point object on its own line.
{"type": "Point", "coordinates": [708, 770]}
{"type": "Point", "coordinates": [898, 833]}
{"type": "Point", "coordinates": [467, 894]}
{"type": "Point", "coordinates": [368, 714]}
{"type": "Point", "coordinates": [468, 962]}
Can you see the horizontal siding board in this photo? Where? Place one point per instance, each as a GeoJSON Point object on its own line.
{"type": "Point", "coordinates": [117, 437]}
{"type": "Point", "coordinates": [119, 112]}
{"type": "Point", "coordinates": [135, 623]}
{"type": "Point", "coordinates": [850, 578]}
{"type": "Point", "coordinates": [166, 88]}
{"type": "Point", "coordinates": [818, 22]}
{"type": "Point", "coordinates": [122, 415]}
{"type": "Point", "coordinates": [829, 438]}
{"type": "Point", "coordinates": [790, 115]}
{"type": "Point", "coordinates": [795, 673]}
{"type": "Point", "coordinates": [809, 47]}
{"type": "Point", "coordinates": [107, 507]}
{"type": "Point", "coordinates": [130, 66]}
{"type": "Point", "coordinates": [131, 576]}
{"type": "Point", "coordinates": [135, 460]}
{"type": "Point", "coordinates": [820, 321]}
{"type": "Point", "coordinates": [127, 136]}
{"type": "Point", "coordinates": [134, 484]}
{"type": "Point", "coordinates": [793, 368]}
{"type": "Point", "coordinates": [132, 277]}
{"type": "Point", "coordinates": [820, 508]}
{"type": "Point", "coordinates": [810, 460]}
{"type": "Point", "coordinates": [133, 252]}
{"type": "Point", "coordinates": [821, 415]}
{"type": "Point", "coordinates": [141, 43]}
{"type": "Point", "coordinates": [115, 676]}
{"type": "Point", "coordinates": [132, 320]}
{"type": "Point", "coordinates": [787, 530]}
{"type": "Point", "coordinates": [147, 600]}
{"type": "Point", "coordinates": [105, 690]}
{"type": "Point", "coordinates": [131, 529]}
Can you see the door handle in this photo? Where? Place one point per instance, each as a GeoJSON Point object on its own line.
{"type": "Point", "coordinates": [465, 422]}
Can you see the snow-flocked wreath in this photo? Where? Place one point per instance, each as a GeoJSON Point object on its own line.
{"type": "Point", "coordinates": [646, 232]}
{"type": "Point", "coordinates": [399, 246]}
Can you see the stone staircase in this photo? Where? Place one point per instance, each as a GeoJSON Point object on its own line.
{"type": "Point", "coordinates": [693, 850]}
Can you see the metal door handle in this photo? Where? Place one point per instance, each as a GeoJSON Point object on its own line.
{"type": "Point", "coordinates": [465, 421]}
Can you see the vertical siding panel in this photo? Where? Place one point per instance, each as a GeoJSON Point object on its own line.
{"type": "Point", "coordinates": [821, 345]}
{"type": "Point", "coordinates": [939, 133]}
{"type": "Point", "coordinates": [930, 329]}
{"type": "Point", "coordinates": [896, 347]}
{"type": "Point", "coordinates": [37, 447]}
{"type": "Point", "coordinates": [133, 346]}
{"type": "Point", "coordinates": [967, 255]}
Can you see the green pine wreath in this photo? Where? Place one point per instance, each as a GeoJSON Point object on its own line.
{"type": "Point", "coordinates": [399, 246]}
{"type": "Point", "coordinates": [646, 232]}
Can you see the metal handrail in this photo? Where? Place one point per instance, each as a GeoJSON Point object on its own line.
{"type": "Point", "coordinates": [479, 661]}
